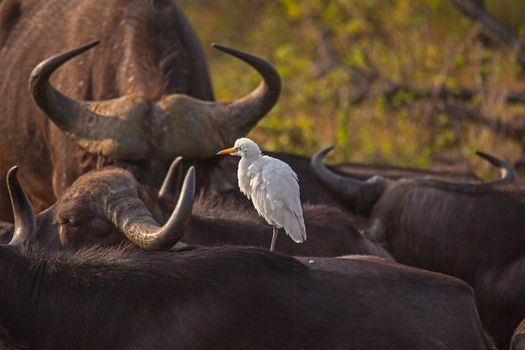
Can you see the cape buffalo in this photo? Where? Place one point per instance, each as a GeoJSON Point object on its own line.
{"type": "Point", "coordinates": [142, 97]}
{"type": "Point", "coordinates": [473, 231]}
{"type": "Point", "coordinates": [235, 298]}
{"type": "Point", "coordinates": [109, 206]}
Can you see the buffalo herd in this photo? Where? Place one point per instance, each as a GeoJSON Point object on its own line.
{"type": "Point", "coordinates": [121, 229]}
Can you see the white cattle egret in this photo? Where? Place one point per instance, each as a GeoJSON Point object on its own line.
{"type": "Point", "coordinates": [273, 188]}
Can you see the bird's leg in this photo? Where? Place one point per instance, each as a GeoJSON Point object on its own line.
{"type": "Point", "coordinates": [274, 237]}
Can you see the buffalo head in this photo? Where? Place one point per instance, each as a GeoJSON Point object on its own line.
{"type": "Point", "coordinates": [134, 127]}
{"type": "Point", "coordinates": [102, 211]}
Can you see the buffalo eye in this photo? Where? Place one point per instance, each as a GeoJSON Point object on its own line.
{"type": "Point", "coordinates": [72, 223]}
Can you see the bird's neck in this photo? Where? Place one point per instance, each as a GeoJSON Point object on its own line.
{"type": "Point", "coordinates": [247, 161]}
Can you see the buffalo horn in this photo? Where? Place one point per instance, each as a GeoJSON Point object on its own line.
{"type": "Point", "coordinates": [25, 221]}
{"type": "Point", "coordinates": [359, 196]}
{"type": "Point", "coordinates": [135, 221]}
{"type": "Point", "coordinates": [116, 128]}
{"type": "Point", "coordinates": [170, 185]}
{"type": "Point", "coordinates": [509, 174]}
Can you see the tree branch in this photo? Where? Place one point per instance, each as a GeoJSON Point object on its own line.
{"type": "Point", "coordinates": [329, 59]}
{"type": "Point", "coordinates": [513, 128]}
{"type": "Point", "coordinates": [445, 93]}
{"type": "Point", "coordinates": [475, 9]}
{"type": "Point", "coordinates": [364, 78]}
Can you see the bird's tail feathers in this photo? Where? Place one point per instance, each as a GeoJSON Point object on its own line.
{"type": "Point", "coordinates": [297, 230]}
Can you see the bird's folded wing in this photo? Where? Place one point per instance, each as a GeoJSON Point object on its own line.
{"type": "Point", "coordinates": [276, 190]}
{"type": "Point", "coordinates": [282, 185]}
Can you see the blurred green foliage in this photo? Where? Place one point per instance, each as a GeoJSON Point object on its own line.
{"type": "Point", "coordinates": [337, 58]}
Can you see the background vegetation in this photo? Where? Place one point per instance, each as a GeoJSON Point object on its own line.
{"type": "Point", "coordinates": [408, 82]}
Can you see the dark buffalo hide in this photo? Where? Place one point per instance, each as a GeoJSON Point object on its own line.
{"type": "Point", "coordinates": [6, 232]}
{"type": "Point", "coordinates": [330, 231]}
{"type": "Point", "coordinates": [125, 298]}
{"type": "Point", "coordinates": [473, 231]}
{"type": "Point", "coordinates": [475, 236]}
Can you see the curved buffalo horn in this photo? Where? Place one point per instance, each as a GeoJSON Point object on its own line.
{"type": "Point", "coordinates": [509, 174]}
{"type": "Point", "coordinates": [170, 185]}
{"type": "Point", "coordinates": [133, 127]}
{"type": "Point", "coordinates": [135, 221]}
{"type": "Point", "coordinates": [25, 221]}
{"type": "Point", "coordinates": [359, 196]}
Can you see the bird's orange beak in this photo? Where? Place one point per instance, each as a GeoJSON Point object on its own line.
{"type": "Point", "coordinates": [228, 151]}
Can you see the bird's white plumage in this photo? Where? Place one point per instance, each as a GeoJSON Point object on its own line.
{"type": "Point", "coordinates": [273, 188]}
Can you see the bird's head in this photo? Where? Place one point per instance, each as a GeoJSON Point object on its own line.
{"type": "Point", "coordinates": [243, 147]}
